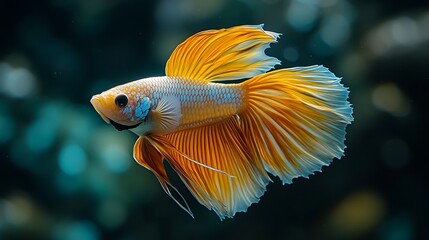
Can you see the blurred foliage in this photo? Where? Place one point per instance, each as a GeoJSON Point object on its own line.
{"type": "Point", "coordinates": [65, 174]}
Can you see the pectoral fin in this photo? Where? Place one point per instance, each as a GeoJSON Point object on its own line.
{"type": "Point", "coordinates": [166, 116]}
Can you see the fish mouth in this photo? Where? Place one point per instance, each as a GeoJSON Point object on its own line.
{"type": "Point", "coordinates": [96, 103]}
{"type": "Point", "coordinates": [121, 127]}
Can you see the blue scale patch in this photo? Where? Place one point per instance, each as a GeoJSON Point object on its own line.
{"type": "Point", "coordinates": [142, 108]}
{"type": "Point", "coordinates": [127, 111]}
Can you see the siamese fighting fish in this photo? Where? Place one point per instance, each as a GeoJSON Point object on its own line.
{"type": "Point", "coordinates": [223, 121]}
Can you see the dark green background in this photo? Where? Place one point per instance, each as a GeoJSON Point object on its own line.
{"type": "Point", "coordinates": [65, 174]}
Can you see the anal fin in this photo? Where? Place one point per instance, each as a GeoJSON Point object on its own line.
{"type": "Point", "coordinates": [221, 151]}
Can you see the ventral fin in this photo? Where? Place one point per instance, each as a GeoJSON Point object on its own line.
{"type": "Point", "coordinates": [225, 54]}
{"type": "Point", "coordinates": [166, 116]}
{"type": "Point", "coordinates": [147, 155]}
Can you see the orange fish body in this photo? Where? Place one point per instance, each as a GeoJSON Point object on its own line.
{"type": "Point", "coordinates": [223, 139]}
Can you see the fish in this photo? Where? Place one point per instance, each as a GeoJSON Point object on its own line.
{"type": "Point", "coordinates": [227, 122]}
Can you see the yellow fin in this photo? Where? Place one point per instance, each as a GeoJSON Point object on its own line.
{"type": "Point", "coordinates": [295, 119]}
{"type": "Point", "coordinates": [225, 54]}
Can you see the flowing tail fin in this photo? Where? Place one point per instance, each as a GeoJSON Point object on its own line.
{"type": "Point", "coordinates": [295, 119]}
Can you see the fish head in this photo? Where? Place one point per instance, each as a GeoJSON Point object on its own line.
{"type": "Point", "coordinates": [122, 107]}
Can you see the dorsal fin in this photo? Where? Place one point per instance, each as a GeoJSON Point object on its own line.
{"type": "Point", "coordinates": [225, 54]}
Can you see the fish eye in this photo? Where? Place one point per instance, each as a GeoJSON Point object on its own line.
{"type": "Point", "coordinates": [121, 100]}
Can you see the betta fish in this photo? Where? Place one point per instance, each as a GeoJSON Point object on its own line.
{"type": "Point", "coordinates": [223, 121]}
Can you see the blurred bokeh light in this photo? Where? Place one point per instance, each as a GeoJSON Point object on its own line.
{"type": "Point", "coordinates": [65, 174]}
